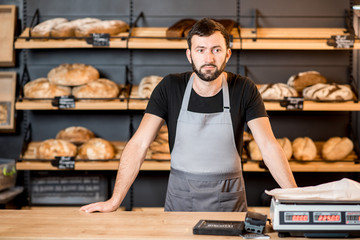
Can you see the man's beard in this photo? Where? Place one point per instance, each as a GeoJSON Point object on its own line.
{"type": "Point", "coordinates": [208, 75]}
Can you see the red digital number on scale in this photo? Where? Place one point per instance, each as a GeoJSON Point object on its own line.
{"type": "Point", "coordinates": [300, 218]}
{"type": "Point", "coordinates": [328, 218]}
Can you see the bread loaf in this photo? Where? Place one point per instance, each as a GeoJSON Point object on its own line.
{"type": "Point", "coordinates": [247, 136]}
{"type": "Point", "coordinates": [322, 91]}
{"type": "Point", "coordinates": [51, 148]}
{"type": "Point", "coordinates": [96, 148]}
{"type": "Point", "coordinates": [112, 27]}
{"type": "Point", "coordinates": [286, 146]}
{"type": "Point", "coordinates": [42, 88]}
{"type": "Point", "coordinates": [43, 29]}
{"type": "Point", "coordinates": [161, 142]}
{"type": "Point", "coordinates": [67, 29]}
{"type": "Point", "coordinates": [73, 74]}
{"type": "Point", "coordinates": [101, 88]}
{"type": "Point", "coordinates": [254, 151]}
{"type": "Point", "coordinates": [337, 148]}
{"type": "Point", "coordinates": [178, 29]}
{"type": "Point", "coordinates": [75, 134]}
{"type": "Point", "coordinates": [277, 91]}
{"type": "Point", "coordinates": [147, 85]}
{"type": "Point", "coordinates": [305, 79]}
{"type": "Point", "coordinates": [3, 114]}
{"type": "Point", "coordinates": [304, 149]}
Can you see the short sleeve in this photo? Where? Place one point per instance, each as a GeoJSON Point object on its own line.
{"type": "Point", "coordinates": [158, 103]}
{"type": "Point", "coordinates": [255, 107]}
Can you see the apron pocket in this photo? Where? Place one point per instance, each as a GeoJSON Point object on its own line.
{"type": "Point", "coordinates": [205, 202]}
{"type": "Point", "coordinates": [233, 201]}
{"type": "Point", "coordinates": [178, 201]}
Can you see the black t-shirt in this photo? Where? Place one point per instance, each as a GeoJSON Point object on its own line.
{"type": "Point", "coordinates": [245, 103]}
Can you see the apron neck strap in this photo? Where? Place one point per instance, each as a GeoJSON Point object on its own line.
{"type": "Point", "coordinates": [225, 88]}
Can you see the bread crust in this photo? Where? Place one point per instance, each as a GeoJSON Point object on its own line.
{"type": "Point", "coordinates": [277, 91]}
{"type": "Point", "coordinates": [286, 146]}
{"type": "Point", "coordinates": [305, 79]}
{"type": "Point", "coordinates": [75, 134]}
{"type": "Point", "coordinates": [96, 149]}
{"type": "Point", "coordinates": [74, 74]}
{"type": "Point", "coordinates": [147, 85]}
{"type": "Point", "coordinates": [43, 88]}
{"type": "Point", "coordinates": [44, 28]}
{"type": "Point", "coordinates": [51, 148]}
{"type": "Point", "coordinates": [304, 149]}
{"type": "Point", "coordinates": [332, 92]}
{"type": "Point", "coordinates": [67, 29]}
{"type": "Point", "coordinates": [112, 27]}
{"type": "Point", "coordinates": [337, 148]}
{"type": "Point", "coordinates": [101, 88]}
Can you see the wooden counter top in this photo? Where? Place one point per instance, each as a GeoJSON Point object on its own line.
{"type": "Point", "coordinates": [70, 223]}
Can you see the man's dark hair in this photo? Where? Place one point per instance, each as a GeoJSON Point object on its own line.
{"type": "Point", "coordinates": [206, 27]}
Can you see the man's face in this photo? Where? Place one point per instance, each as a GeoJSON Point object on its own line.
{"type": "Point", "coordinates": [208, 56]}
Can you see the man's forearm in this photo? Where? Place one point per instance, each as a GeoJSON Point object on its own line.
{"type": "Point", "coordinates": [276, 161]}
{"type": "Point", "coordinates": [129, 166]}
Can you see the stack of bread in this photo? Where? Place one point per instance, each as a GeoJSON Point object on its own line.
{"type": "Point", "coordinates": [3, 114]}
{"type": "Point", "coordinates": [160, 146]}
{"type": "Point", "coordinates": [78, 142]}
{"type": "Point", "coordinates": [77, 79]}
{"type": "Point", "coordinates": [305, 149]}
{"type": "Point", "coordinates": [182, 27]}
{"type": "Point", "coordinates": [83, 27]}
{"type": "Point", "coordinates": [147, 85]}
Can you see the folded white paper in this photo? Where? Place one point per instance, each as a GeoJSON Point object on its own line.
{"type": "Point", "coordinates": [344, 190]}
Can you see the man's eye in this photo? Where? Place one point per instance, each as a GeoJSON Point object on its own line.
{"type": "Point", "coordinates": [217, 50]}
{"type": "Point", "coordinates": [200, 50]}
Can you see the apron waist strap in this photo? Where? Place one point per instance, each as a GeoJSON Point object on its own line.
{"type": "Point", "coordinates": [204, 176]}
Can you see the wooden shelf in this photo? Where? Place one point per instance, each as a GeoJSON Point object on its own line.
{"type": "Point", "coordinates": [155, 38]}
{"type": "Point", "coordinates": [23, 43]}
{"type": "Point", "coordinates": [317, 106]}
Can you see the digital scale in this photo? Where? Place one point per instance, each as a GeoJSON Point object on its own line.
{"type": "Point", "coordinates": [313, 218]}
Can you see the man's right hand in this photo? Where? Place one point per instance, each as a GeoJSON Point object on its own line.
{"type": "Point", "coordinates": [107, 206]}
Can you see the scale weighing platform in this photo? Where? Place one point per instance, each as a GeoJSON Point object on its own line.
{"type": "Point", "coordinates": [313, 218]}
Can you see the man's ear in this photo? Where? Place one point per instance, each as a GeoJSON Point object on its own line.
{"type": "Point", "coordinates": [188, 55]}
{"type": "Point", "coordinates": [228, 54]}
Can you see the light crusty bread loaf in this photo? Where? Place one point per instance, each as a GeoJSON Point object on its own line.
{"type": "Point", "coordinates": [161, 142]}
{"type": "Point", "coordinates": [74, 74]}
{"type": "Point", "coordinates": [42, 88]}
{"type": "Point", "coordinates": [43, 29]}
{"type": "Point", "coordinates": [247, 137]}
{"type": "Point", "coordinates": [67, 29]}
{"type": "Point", "coordinates": [147, 85]}
{"type": "Point", "coordinates": [96, 148]}
{"type": "Point", "coordinates": [305, 79]}
{"type": "Point", "coordinates": [3, 114]}
{"type": "Point", "coordinates": [332, 91]}
{"type": "Point", "coordinates": [51, 148]}
{"type": "Point", "coordinates": [286, 146]}
{"type": "Point", "coordinates": [178, 29]}
{"type": "Point", "coordinates": [304, 149]}
{"type": "Point", "coordinates": [101, 88]}
{"type": "Point", "coordinates": [337, 148]}
{"type": "Point", "coordinates": [254, 151]}
{"type": "Point", "coordinates": [75, 134]}
{"type": "Point", "coordinates": [112, 27]}
{"type": "Point", "coordinates": [277, 91]}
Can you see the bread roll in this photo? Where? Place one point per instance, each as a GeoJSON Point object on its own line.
{"type": "Point", "coordinates": [161, 142]}
{"type": "Point", "coordinates": [96, 148]}
{"type": "Point", "coordinates": [42, 88]}
{"type": "Point", "coordinates": [247, 137]}
{"type": "Point", "coordinates": [43, 29]}
{"type": "Point", "coordinates": [75, 134]}
{"type": "Point", "coordinates": [3, 114]}
{"type": "Point", "coordinates": [67, 29]}
{"type": "Point", "coordinates": [112, 27]}
{"type": "Point", "coordinates": [304, 149]}
{"type": "Point", "coordinates": [286, 146]}
{"type": "Point", "coordinates": [305, 79]}
{"type": "Point", "coordinates": [73, 74]}
{"type": "Point", "coordinates": [337, 148]}
{"type": "Point", "coordinates": [101, 88]}
{"type": "Point", "coordinates": [332, 91]}
{"type": "Point", "coordinates": [51, 148]}
{"type": "Point", "coordinates": [277, 91]}
{"type": "Point", "coordinates": [254, 151]}
{"type": "Point", "coordinates": [178, 29]}
{"type": "Point", "coordinates": [147, 85]}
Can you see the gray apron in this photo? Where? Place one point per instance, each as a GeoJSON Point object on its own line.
{"type": "Point", "coordinates": [206, 174]}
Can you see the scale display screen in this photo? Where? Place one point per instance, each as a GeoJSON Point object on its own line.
{"type": "Point", "coordinates": [297, 217]}
{"type": "Point", "coordinates": [320, 217]}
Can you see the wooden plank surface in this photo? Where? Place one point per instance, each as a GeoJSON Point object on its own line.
{"type": "Point", "coordinates": [7, 100]}
{"type": "Point", "coordinates": [7, 32]}
{"type": "Point", "coordinates": [23, 43]}
{"type": "Point", "coordinates": [70, 223]}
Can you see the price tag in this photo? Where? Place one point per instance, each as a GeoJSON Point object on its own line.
{"type": "Point", "coordinates": [64, 102]}
{"type": "Point", "coordinates": [64, 162]}
{"type": "Point", "coordinates": [293, 103]}
{"type": "Point", "coordinates": [99, 39]}
{"type": "Point", "coordinates": [341, 41]}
